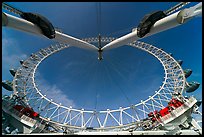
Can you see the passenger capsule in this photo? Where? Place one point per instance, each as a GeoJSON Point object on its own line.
{"type": "Point", "coordinates": [187, 72]}
{"type": "Point", "coordinates": [13, 72]}
{"type": "Point", "coordinates": [192, 86]}
{"type": "Point", "coordinates": [7, 85]}
{"type": "Point", "coordinates": [170, 54]}
{"type": "Point", "coordinates": [148, 21]}
{"type": "Point", "coordinates": [198, 103]}
{"type": "Point", "coordinates": [43, 23]}
{"type": "Point", "coordinates": [180, 62]}
{"type": "Point", "coordinates": [21, 61]}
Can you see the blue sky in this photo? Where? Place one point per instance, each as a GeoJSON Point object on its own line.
{"type": "Point", "coordinates": [126, 75]}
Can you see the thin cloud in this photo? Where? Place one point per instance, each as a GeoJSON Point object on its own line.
{"type": "Point", "coordinates": [13, 60]}
{"type": "Point", "coordinates": [53, 92]}
{"type": "Point", "coordinates": [11, 55]}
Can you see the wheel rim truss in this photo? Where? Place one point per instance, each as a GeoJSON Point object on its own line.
{"type": "Point", "coordinates": [79, 119]}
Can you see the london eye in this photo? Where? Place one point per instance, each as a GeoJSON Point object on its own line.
{"type": "Point", "coordinates": [168, 110]}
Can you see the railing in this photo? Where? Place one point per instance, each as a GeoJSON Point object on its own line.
{"type": "Point", "coordinates": [10, 108]}
{"type": "Point", "coordinates": [166, 117]}
{"type": "Point", "coordinates": [178, 111]}
{"type": "Point", "coordinates": [22, 116]}
{"type": "Point", "coordinates": [190, 101]}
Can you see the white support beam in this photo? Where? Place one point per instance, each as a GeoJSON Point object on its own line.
{"type": "Point", "coordinates": [99, 122]}
{"type": "Point", "coordinates": [121, 116]}
{"type": "Point", "coordinates": [82, 119]}
{"type": "Point", "coordinates": [26, 26]}
{"type": "Point", "coordinates": [88, 120]}
{"type": "Point", "coordinates": [114, 118]}
{"type": "Point", "coordinates": [68, 111]}
{"type": "Point", "coordinates": [166, 23]}
{"type": "Point", "coordinates": [104, 123]}
{"type": "Point", "coordinates": [54, 112]}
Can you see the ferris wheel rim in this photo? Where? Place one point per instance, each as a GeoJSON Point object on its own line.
{"type": "Point", "coordinates": [134, 44]}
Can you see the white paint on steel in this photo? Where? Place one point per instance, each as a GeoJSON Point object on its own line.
{"type": "Point", "coordinates": [161, 25]}
{"type": "Point", "coordinates": [116, 115]}
{"type": "Point", "coordinates": [26, 26]}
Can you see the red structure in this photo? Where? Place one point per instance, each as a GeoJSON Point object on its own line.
{"type": "Point", "coordinates": [26, 111]}
{"type": "Point", "coordinates": [173, 104]}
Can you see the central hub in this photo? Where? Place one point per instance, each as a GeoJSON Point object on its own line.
{"type": "Point", "coordinates": [99, 49]}
{"type": "Point", "coordinates": [100, 54]}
